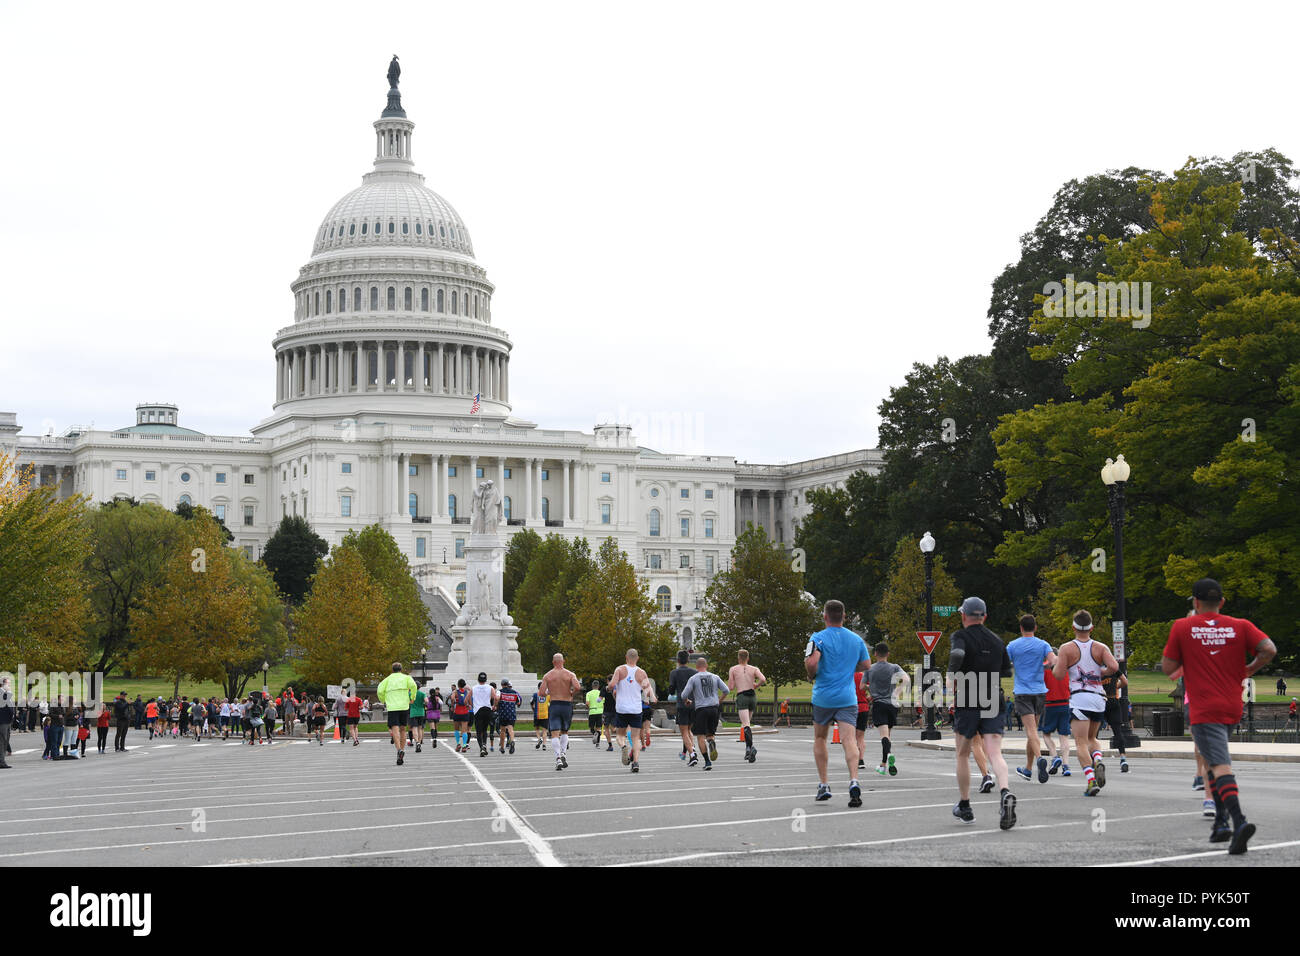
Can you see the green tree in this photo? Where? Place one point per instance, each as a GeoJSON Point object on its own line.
{"type": "Point", "coordinates": [44, 542]}
{"type": "Point", "coordinates": [613, 611]}
{"type": "Point", "coordinates": [902, 608]}
{"type": "Point", "coordinates": [341, 629]}
{"type": "Point", "coordinates": [845, 546]}
{"type": "Point", "coordinates": [237, 663]}
{"type": "Point", "coordinates": [291, 555]}
{"type": "Point", "coordinates": [759, 604]}
{"type": "Point", "coordinates": [188, 511]}
{"type": "Point", "coordinates": [544, 600]}
{"type": "Point", "coordinates": [519, 553]}
{"type": "Point", "coordinates": [408, 620]}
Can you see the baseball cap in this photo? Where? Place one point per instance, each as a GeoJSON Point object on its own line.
{"type": "Point", "coordinates": [1207, 589]}
{"type": "Point", "coordinates": [973, 607]}
{"type": "Point", "coordinates": [482, 676]}
{"type": "Point", "coordinates": [505, 683]}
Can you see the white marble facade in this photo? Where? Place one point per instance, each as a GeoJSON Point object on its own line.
{"type": "Point", "coordinates": [374, 382]}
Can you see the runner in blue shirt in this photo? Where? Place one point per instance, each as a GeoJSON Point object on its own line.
{"type": "Point", "coordinates": [1029, 654]}
{"type": "Point", "coordinates": [832, 658]}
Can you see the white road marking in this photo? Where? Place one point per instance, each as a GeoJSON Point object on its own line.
{"type": "Point", "coordinates": [344, 856]}
{"type": "Point", "coordinates": [1197, 856]}
{"type": "Point", "coordinates": [540, 849]}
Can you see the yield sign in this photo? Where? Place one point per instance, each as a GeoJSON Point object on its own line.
{"type": "Point", "coordinates": [929, 639]}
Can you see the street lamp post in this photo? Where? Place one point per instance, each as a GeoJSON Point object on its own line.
{"type": "Point", "coordinates": [266, 666]}
{"type": "Point", "coordinates": [1113, 475]}
{"type": "Point", "coordinates": [424, 664]}
{"type": "Point", "coordinates": [927, 548]}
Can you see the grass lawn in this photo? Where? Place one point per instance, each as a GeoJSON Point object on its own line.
{"type": "Point", "coordinates": [148, 687]}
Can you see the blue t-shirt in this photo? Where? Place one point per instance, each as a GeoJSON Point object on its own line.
{"type": "Point", "coordinates": [1027, 656]}
{"type": "Point", "coordinates": [841, 650]}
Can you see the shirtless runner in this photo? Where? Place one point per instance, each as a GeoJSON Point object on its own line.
{"type": "Point", "coordinates": [558, 686]}
{"type": "Point", "coordinates": [743, 680]}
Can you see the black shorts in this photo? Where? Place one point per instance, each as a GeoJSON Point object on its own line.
{"type": "Point", "coordinates": [883, 714]}
{"type": "Point", "coordinates": [561, 716]}
{"type": "Point", "coordinates": [594, 721]}
{"type": "Point", "coordinates": [461, 718]}
{"type": "Point", "coordinates": [970, 721]}
{"type": "Point", "coordinates": [864, 719]}
{"type": "Point", "coordinates": [353, 721]}
{"type": "Point", "coordinates": [417, 721]}
{"type": "Point", "coordinates": [507, 723]}
{"type": "Point", "coordinates": [684, 714]}
{"type": "Point", "coordinates": [627, 720]}
{"type": "Point", "coordinates": [746, 700]}
{"type": "Point", "coordinates": [398, 718]}
{"type": "Point", "coordinates": [704, 722]}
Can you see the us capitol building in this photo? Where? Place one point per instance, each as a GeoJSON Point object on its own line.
{"type": "Point", "coordinates": [392, 339]}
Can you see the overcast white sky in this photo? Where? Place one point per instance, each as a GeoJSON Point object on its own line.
{"type": "Point", "coordinates": [736, 225]}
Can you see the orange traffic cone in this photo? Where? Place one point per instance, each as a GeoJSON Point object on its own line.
{"type": "Point", "coordinates": [336, 730]}
{"type": "Point", "coordinates": [835, 738]}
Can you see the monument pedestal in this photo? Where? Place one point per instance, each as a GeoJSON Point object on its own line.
{"type": "Point", "coordinates": [484, 635]}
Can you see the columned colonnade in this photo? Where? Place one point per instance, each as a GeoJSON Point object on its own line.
{"type": "Point", "coordinates": [351, 366]}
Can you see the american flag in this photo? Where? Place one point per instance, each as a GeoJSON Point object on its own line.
{"type": "Point", "coordinates": [474, 410]}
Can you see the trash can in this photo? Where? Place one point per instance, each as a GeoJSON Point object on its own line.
{"type": "Point", "coordinates": [1160, 721]}
{"type": "Point", "coordinates": [1174, 723]}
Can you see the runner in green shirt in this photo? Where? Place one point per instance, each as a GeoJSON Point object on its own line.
{"type": "Point", "coordinates": [417, 718]}
{"type": "Point", "coordinates": [595, 712]}
{"type": "Point", "coordinates": [397, 690]}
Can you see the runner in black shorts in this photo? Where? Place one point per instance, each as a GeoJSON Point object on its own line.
{"type": "Point", "coordinates": [676, 684]}
{"type": "Point", "coordinates": [885, 681]}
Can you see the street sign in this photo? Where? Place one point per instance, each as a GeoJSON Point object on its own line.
{"type": "Point", "coordinates": [334, 691]}
{"type": "Point", "coordinates": [927, 662]}
{"type": "Point", "coordinates": [1117, 638]}
{"type": "Point", "coordinates": [945, 610]}
{"type": "Point", "coordinates": [929, 639]}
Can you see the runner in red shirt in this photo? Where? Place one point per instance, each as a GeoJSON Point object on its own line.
{"type": "Point", "coordinates": [353, 713]}
{"type": "Point", "coordinates": [1212, 649]}
{"type": "Point", "coordinates": [864, 710]}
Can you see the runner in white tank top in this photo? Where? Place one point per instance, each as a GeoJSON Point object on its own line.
{"type": "Point", "coordinates": [1078, 660]}
{"type": "Point", "coordinates": [629, 682]}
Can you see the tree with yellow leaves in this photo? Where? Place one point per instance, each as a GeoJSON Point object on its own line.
{"type": "Point", "coordinates": [342, 628]}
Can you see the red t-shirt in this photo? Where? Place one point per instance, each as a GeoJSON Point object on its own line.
{"type": "Point", "coordinates": [1058, 691]}
{"type": "Point", "coordinates": [354, 707]}
{"type": "Point", "coordinates": [1213, 649]}
{"type": "Point", "coordinates": [864, 697]}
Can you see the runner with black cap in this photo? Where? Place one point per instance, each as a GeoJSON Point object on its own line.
{"type": "Point", "coordinates": [1087, 662]}
{"type": "Point", "coordinates": [1212, 649]}
{"type": "Point", "coordinates": [483, 697]}
{"type": "Point", "coordinates": [676, 684]}
{"type": "Point", "coordinates": [977, 661]}
{"type": "Point", "coordinates": [508, 701]}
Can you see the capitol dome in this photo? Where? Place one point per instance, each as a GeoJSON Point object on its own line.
{"type": "Point", "coordinates": [393, 208]}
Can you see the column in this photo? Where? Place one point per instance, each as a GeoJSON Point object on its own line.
{"type": "Point", "coordinates": [475, 378]}
{"type": "Point", "coordinates": [501, 476]}
{"type": "Point", "coordinates": [473, 473]}
{"type": "Point", "coordinates": [435, 508]}
{"type": "Point", "coordinates": [439, 374]}
{"type": "Point", "coordinates": [400, 368]}
{"type": "Point", "coordinates": [419, 366]}
{"type": "Point", "coordinates": [566, 509]}
{"type": "Point", "coordinates": [528, 489]}
{"type": "Point", "coordinates": [771, 515]}
{"type": "Point", "coordinates": [404, 499]}
{"type": "Point", "coordinates": [537, 498]}
{"type": "Point", "coordinates": [505, 380]}
{"type": "Point", "coordinates": [395, 484]}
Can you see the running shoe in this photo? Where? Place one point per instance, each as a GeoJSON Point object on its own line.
{"type": "Point", "coordinates": [1007, 811]}
{"type": "Point", "coordinates": [627, 755]}
{"type": "Point", "coordinates": [861, 764]}
{"type": "Point", "coordinates": [823, 791]}
{"type": "Point", "coordinates": [1042, 770]}
{"type": "Point", "coordinates": [964, 814]}
{"type": "Point", "coordinates": [1065, 770]}
{"type": "Point", "coordinates": [1024, 772]}
{"type": "Point", "coordinates": [1091, 789]}
{"type": "Point", "coordinates": [1239, 838]}
{"type": "Point", "coordinates": [713, 751]}
{"type": "Point", "coordinates": [893, 771]}
{"type": "Point", "coordinates": [538, 745]}
{"type": "Point", "coordinates": [1220, 832]}
{"type": "Point", "coordinates": [707, 765]}
{"type": "Point", "coordinates": [881, 770]}
{"type": "Point", "coordinates": [1123, 765]}
{"type": "Point", "coordinates": [610, 748]}
{"type": "Point", "coordinates": [399, 758]}
{"type": "Point", "coordinates": [512, 746]}
{"type": "Point", "coordinates": [986, 785]}
{"type": "Point", "coordinates": [751, 754]}
{"type": "Point", "coordinates": [636, 767]}
{"type": "Point", "coordinates": [855, 795]}
{"type": "Point", "coordinates": [1099, 769]}
{"type": "Point", "coordinates": [693, 761]}
{"type": "Point", "coordinates": [646, 745]}
{"type": "Point", "coordinates": [482, 751]}
{"type": "Point", "coordinates": [682, 755]}
{"type": "Point", "coordinates": [1056, 765]}
{"type": "Point", "coordinates": [1198, 783]}
{"type": "Point", "coordinates": [558, 765]}
{"type": "Point", "coordinates": [417, 748]}
{"type": "Point", "coordinates": [357, 743]}
{"type": "Point", "coordinates": [1208, 809]}
{"type": "Point", "coordinates": [564, 760]}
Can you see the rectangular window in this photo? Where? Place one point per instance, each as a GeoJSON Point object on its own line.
{"type": "Point", "coordinates": [248, 478]}
{"type": "Point", "coordinates": [121, 474]}
{"type": "Point", "coordinates": [656, 562]}
{"type": "Point", "coordinates": [686, 560]}
{"type": "Point", "coordinates": [604, 477]}
{"type": "Point", "coordinates": [708, 494]}
{"type": "Point", "coordinates": [460, 547]}
{"type": "Point", "coordinates": [708, 564]}
{"type": "Point", "coordinates": [451, 471]}
{"type": "Point", "coordinates": [419, 546]}
{"type": "Point", "coordinates": [248, 551]}
{"type": "Point", "coordinates": [221, 477]}
{"type": "Point", "coordinates": [686, 492]}
{"type": "Point", "coordinates": [345, 506]}
{"type": "Point", "coordinates": [414, 470]}
{"type": "Point", "coordinates": [708, 527]}
{"type": "Point", "coordinates": [604, 514]}
{"type": "Point", "coordinates": [546, 474]}
{"type": "Point", "coordinates": [507, 471]}
{"type": "Point", "coordinates": [151, 476]}
{"type": "Point", "coordinates": [248, 515]}
{"type": "Point", "coordinates": [347, 468]}
{"type": "Point", "coordinates": [686, 527]}
{"type": "Point", "coordinates": [478, 472]}
{"type": "Point", "coordinates": [220, 512]}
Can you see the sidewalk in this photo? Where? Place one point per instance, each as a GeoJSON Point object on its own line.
{"type": "Point", "coordinates": [1151, 747]}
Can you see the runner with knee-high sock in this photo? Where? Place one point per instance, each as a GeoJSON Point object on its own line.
{"type": "Point", "coordinates": [1086, 662]}
{"type": "Point", "coordinates": [887, 683]}
{"type": "Point", "coordinates": [743, 680]}
{"type": "Point", "coordinates": [558, 685]}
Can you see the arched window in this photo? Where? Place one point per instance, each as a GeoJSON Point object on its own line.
{"type": "Point", "coordinates": [664, 598]}
{"type": "Point", "coordinates": [185, 500]}
{"type": "Point", "coordinates": [390, 228]}
{"type": "Point", "coordinates": [412, 504]}
{"type": "Point", "coordinates": [442, 231]}
{"type": "Point", "coordinates": [405, 229]}
{"type": "Point", "coordinates": [424, 300]}
{"type": "Point", "coordinates": [356, 299]}
{"type": "Point", "coordinates": [441, 302]}
{"type": "Point", "coordinates": [392, 299]}
{"type": "Point", "coordinates": [343, 300]}
{"type": "Point", "coordinates": [460, 593]}
{"type": "Point", "coordinates": [331, 232]}
{"type": "Point", "coordinates": [476, 307]}
{"type": "Point", "coordinates": [329, 301]}
{"type": "Point", "coordinates": [506, 506]}
{"type": "Point", "coordinates": [364, 226]}
{"type": "Point", "coordinates": [454, 308]}
{"type": "Point", "coordinates": [374, 298]}
{"type": "Point", "coordinates": [407, 299]}
{"type": "Point", "coordinates": [654, 522]}
{"type": "Point", "coordinates": [378, 227]}
{"type": "Point", "coordinates": [317, 312]}
{"type": "Point", "coordinates": [419, 231]}
{"type": "Point", "coordinates": [686, 638]}
{"type": "Point", "coordinates": [546, 508]}
{"type": "Point", "coordinates": [451, 506]}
